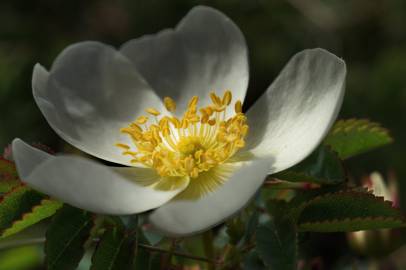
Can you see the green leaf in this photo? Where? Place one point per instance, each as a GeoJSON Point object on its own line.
{"type": "Point", "coordinates": [15, 204]}
{"type": "Point", "coordinates": [66, 237]}
{"type": "Point", "coordinates": [277, 244]}
{"type": "Point", "coordinates": [355, 136]}
{"type": "Point", "coordinates": [45, 209]}
{"type": "Point", "coordinates": [348, 211]}
{"type": "Point", "coordinates": [114, 252]}
{"type": "Point", "coordinates": [8, 175]}
{"type": "Point", "coordinates": [322, 167]}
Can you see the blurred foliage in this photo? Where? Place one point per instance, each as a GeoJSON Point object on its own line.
{"type": "Point", "coordinates": [369, 35]}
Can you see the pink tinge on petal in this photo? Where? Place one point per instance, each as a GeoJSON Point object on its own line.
{"type": "Point", "coordinates": [8, 150]}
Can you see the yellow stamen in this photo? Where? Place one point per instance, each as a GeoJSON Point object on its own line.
{"type": "Point", "coordinates": [238, 107]}
{"type": "Point", "coordinates": [215, 99]}
{"type": "Point", "coordinates": [122, 145]}
{"type": "Point", "coordinates": [141, 120]}
{"type": "Point", "coordinates": [192, 145]}
{"type": "Point", "coordinates": [227, 98]}
{"type": "Point", "coordinates": [153, 111]}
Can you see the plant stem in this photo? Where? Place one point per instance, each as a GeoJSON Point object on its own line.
{"type": "Point", "coordinates": [208, 247]}
{"type": "Point", "coordinates": [168, 257]}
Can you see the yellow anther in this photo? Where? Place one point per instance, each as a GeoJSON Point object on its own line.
{"type": "Point", "coordinates": [122, 145]}
{"type": "Point", "coordinates": [142, 120]}
{"type": "Point", "coordinates": [153, 111]}
{"type": "Point", "coordinates": [130, 153]}
{"type": "Point", "coordinates": [238, 106]}
{"type": "Point", "coordinates": [215, 99]}
{"type": "Point", "coordinates": [193, 102]}
{"type": "Point", "coordinates": [212, 122]}
{"type": "Point", "coordinates": [184, 123]}
{"type": "Point", "coordinates": [204, 119]}
{"type": "Point", "coordinates": [164, 122]}
{"type": "Point", "coordinates": [227, 98]}
{"type": "Point", "coordinates": [170, 104]}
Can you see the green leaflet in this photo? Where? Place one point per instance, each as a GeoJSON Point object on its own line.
{"type": "Point", "coordinates": [45, 209]}
{"type": "Point", "coordinates": [114, 252]}
{"type": "Point", "coordinates": [322, 167]}
{"type": "Point", "coordinates": [348, 211]}
{"type": "Point", "coordinates": [355, 136]}
{"type": "Point", "coordinates": [65, 238]}
{"type": "Point", "coordinates": [15, 204]}
{"type": "Point", "coordinates": [23, 207]}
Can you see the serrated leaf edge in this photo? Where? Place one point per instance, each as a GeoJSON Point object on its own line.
{"type": "Point", "coordinates": [360, 124]}
{"type": "Point", "coordinates": [356, 191]}
{"type": "Point", "coordinates": [336, 221]}
{"type": "Point", "coordinates": [354, 124]}
{"type": "Point", "coordinates": [24, 215]}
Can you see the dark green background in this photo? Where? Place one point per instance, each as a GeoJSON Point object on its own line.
{"type": "Point", "coordinates": [369, 35]}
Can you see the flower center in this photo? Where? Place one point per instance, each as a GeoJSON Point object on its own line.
{"type": "Point", "coordinates": [187, 146]}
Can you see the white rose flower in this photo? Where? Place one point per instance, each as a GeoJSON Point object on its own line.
{"type": "Point", "coordinates": [188, 152]}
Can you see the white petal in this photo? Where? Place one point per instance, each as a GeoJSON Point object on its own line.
{"type": "Point", "coordinates": [205, 52]}
{"type": "Point", "coordinates": [183, 217]}
{"type": "Point", "coordinates": [90, 93]}
{"type": "Point", "coordinates": [87, 184]}
{"type": "Point", "coordinates": [297, 110]}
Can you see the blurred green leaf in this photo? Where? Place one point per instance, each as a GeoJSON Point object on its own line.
{"type": "Point", "coordinates": [23, 207]}
{"type": "Point", "coordinates": [142, 257]}
{"type": "Point", "coordinates": [114, 252]}
{"type": "Point", "coordinates": [65, 238]}
{"type": "Point", "coordinates": [355, 136]}
{"type": "Point", "coordinates": [322, 167]}
{"type": "Point", "coordinates": [235, 229]}
{"type": "Point", "coordinates": [8, 175]}
{"type": "Point", "coordinates": [277, 244]}
{"type": "Point", "coordinates": [250, 228]}
{"type": "Point", "coordinates": [348, 211]}
{"type": "Point", "coordinates": [21, 258]}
